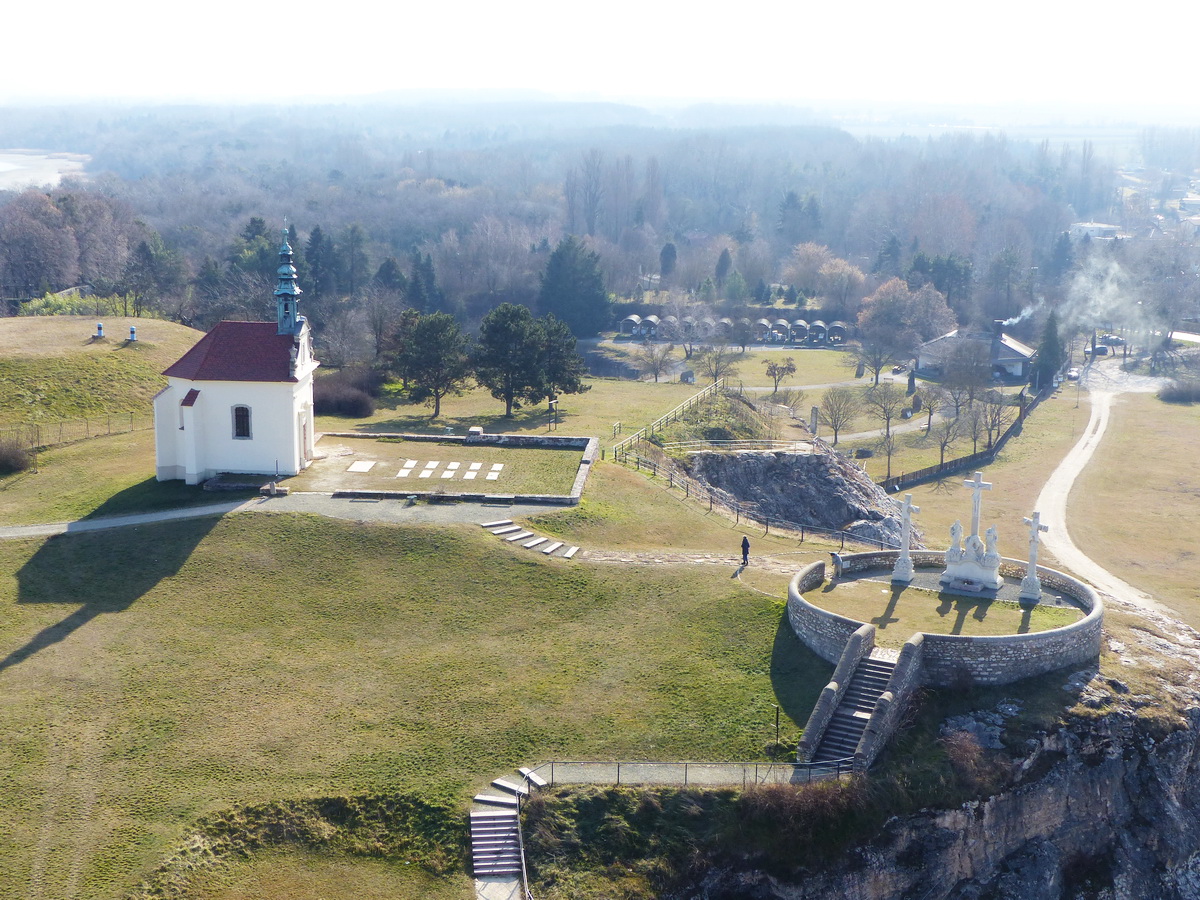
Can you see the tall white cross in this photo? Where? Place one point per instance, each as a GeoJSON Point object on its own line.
{"type": "Point", "coordinates": [977, 485]}
{"type": "Point", "coordinates": [903, 570]}
{"type": "Point", "coordinates": [906, 512]}
{"type": "Point", "coordinates": [1035, 525]}
{"type": "Point", "coordinates": [1031, 588]}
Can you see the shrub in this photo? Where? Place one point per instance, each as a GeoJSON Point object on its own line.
{"type": "Point", "coordinates": [349, 392]}
{"type": "Point", "coordinates": [13, 457]}
{"type": "Point", "coordinates": [1180, 390]}
{"type": "Point", "coordinates": [332, 398]}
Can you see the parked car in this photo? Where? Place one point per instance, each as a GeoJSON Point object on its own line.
{"type": "Point", "coordinates": [1072, 374]}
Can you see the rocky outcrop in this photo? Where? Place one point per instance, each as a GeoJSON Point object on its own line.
{"type": "Point", "coordinates": [819, 488]}
{"type": "Point", "coordinates": [1114, 818]}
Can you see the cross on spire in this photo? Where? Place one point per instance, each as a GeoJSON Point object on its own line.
{"type": "Point", "coordinates": [977, 485]}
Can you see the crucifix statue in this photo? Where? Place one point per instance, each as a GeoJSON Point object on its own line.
{"type": "Point", "coordinates": [977, 485]}
{"type": "Point", "coordinates": [1031, 586]}
{"type": "Point", "coordinates": [904, 566]}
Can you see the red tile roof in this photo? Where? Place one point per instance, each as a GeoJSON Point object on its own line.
{"type": "Point", "coordinates": [238, 351]}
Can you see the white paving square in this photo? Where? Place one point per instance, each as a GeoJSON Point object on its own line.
{"type": "Point", "coordinates": [492, 476]}
{"type": "Point", "coordinates": [433, 464]}
{"type": "Point", "coordinates": [425, 473]}
{"type": "Point", "coordinates": [449, 473]}
{"type": "Point", "coordinates": [453, 465]}
{"type": "Point", "coordinates": [404, 473]}
{"type": "Point", "coordinates": [361, 465]}
{"type": "Point", "coordinates": [469, 476]}
{"type": "Point", "coordinates": [496, 467]}
{"type": "Point", "coordinates": [409, 463]}
{"type": "Point", "coordinates": [474, 467]}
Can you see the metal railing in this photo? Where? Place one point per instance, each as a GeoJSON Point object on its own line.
{"type": "Point", "coordinates": [622, 447]}
{"type": "Point", "coordinates": [40, 435]}
{"type": "Point", "coordinates": [698, 774]}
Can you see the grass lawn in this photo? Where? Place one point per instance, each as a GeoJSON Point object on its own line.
{"type": "Point", "coordinates": [899, 613]}
{"type": "Point", "coordinates": [1134, 508]}
{"type": "Point", "coordinates": [625, 510]}
{"type": "Point", "coordinates": [151, 675]}
{"type": "Point", "coordinates": [609, 400]}
{"type": "Point", "coordinates": [313, 876]}
{"type": "Point", "coordinates": [523, 470]}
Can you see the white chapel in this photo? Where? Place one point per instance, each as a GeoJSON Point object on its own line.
{"type": "Point", "coordinates": [241, 400]}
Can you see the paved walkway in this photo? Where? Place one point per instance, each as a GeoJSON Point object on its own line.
{"type": "Point", "coordinates": [356, 510]}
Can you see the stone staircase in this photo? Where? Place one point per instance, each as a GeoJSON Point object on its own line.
{"type": "Point", "coordinates": [507, 531]}
{"type": "Point", "coordinates": [496, 827]}
{"type": "Point", "coordinates": [849, 720]}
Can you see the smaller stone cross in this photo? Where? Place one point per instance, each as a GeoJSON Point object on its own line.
{"type": "Point", "coordinates": [977, 485]}
{"type": "Point", "coordinates": [904, 566]}
{"type": "Point", "coordinates": [1031, 586]}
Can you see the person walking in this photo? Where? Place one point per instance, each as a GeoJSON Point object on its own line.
{"type": "Point", "coordinates": [745, 550]}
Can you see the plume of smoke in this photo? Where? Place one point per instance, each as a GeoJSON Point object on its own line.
{"type": "Point", "coordinates": [1101, 293]}
{"type": "Point", "coordinates": [1023, 315]}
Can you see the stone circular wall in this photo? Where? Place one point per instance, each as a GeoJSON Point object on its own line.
{"type": "Point", "coordinates": [951, 659]}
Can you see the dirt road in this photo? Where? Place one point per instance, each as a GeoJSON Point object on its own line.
{"type": "Point", "coordinates": [1104, 381]}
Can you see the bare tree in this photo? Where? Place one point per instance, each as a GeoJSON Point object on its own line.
{"type": "Point", "coordinates": [884, 402]}
{"type": "Point", "coordinates": [888, 444]}
{"type": "Point", "coordinates": [945, 433]}
{"type": "Point", "coordinates": [716, 362]}
{"type": "Point", "coordinates": [998, 414]}
{"type": "Point", "coordinates": [777, 371]}
{"type": "Point", "coordinates": [655, 359]}
{"type": "Point", "coordinates": [973, 424]}
{"type": "Point", "coordinates": [839, 407]}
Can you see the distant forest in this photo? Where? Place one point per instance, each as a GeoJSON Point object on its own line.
{"type": "Point", "coordinates": [457, 209]}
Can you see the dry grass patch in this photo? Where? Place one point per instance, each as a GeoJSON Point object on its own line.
{"type": "Point", "coordinates": [1134, 508]}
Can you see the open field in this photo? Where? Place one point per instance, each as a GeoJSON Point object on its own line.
{"type": "Point", "coordinates": [398, 465]}
{"type": "Point", "coordinates": [593, 412]}
{"type": "Point", "coordinates": [812, 366]}
{"type": "Point", "coordinates": [1134, 509]}
{"type": "Point", "coordinates": [155, 674]}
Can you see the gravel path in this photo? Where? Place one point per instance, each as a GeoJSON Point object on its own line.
{"type": "Point", "coordinates": [1104, 381]}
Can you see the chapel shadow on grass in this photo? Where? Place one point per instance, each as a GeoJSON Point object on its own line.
{"type": "Point", "coordinates": [152, 495]}
{"type": "Point", "coordinates": [797, 674]}
{"type": "Point", "coordinates": [104, 571]}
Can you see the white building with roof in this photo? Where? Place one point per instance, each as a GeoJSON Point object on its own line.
{"type": "Point", "coordinates": [241, 400]}
{"type": "Point", "coordinates": [1009, 357]}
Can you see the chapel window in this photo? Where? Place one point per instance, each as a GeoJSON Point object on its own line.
{"type": "Point", "coordinates": [241, 422]}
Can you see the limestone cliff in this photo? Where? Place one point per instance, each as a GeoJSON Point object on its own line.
{"type": "Point", "coordinates": [1107, 807]}
{"type": "Point", "coordinates": [820, 488]}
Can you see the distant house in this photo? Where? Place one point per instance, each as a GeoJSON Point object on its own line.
{"type": "Point", "coordinates": [241, 400]}
{"type": "Point", "coordinates": [1009, 358]}
{"type": "Point", "coordinates": [1097, 231]}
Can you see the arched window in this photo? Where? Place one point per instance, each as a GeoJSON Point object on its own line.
{"type": "Point", "coordinates": [241, 422]}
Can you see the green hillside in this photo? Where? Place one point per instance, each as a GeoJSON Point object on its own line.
{"type": "Point", "coordinates": [51, 367]}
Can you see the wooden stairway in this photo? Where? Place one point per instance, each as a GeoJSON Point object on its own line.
{"type": "Point", "coordinates": [849, 720]}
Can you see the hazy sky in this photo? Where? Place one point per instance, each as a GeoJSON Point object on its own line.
{"type": "Point", "coordinates": [930, 51]}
